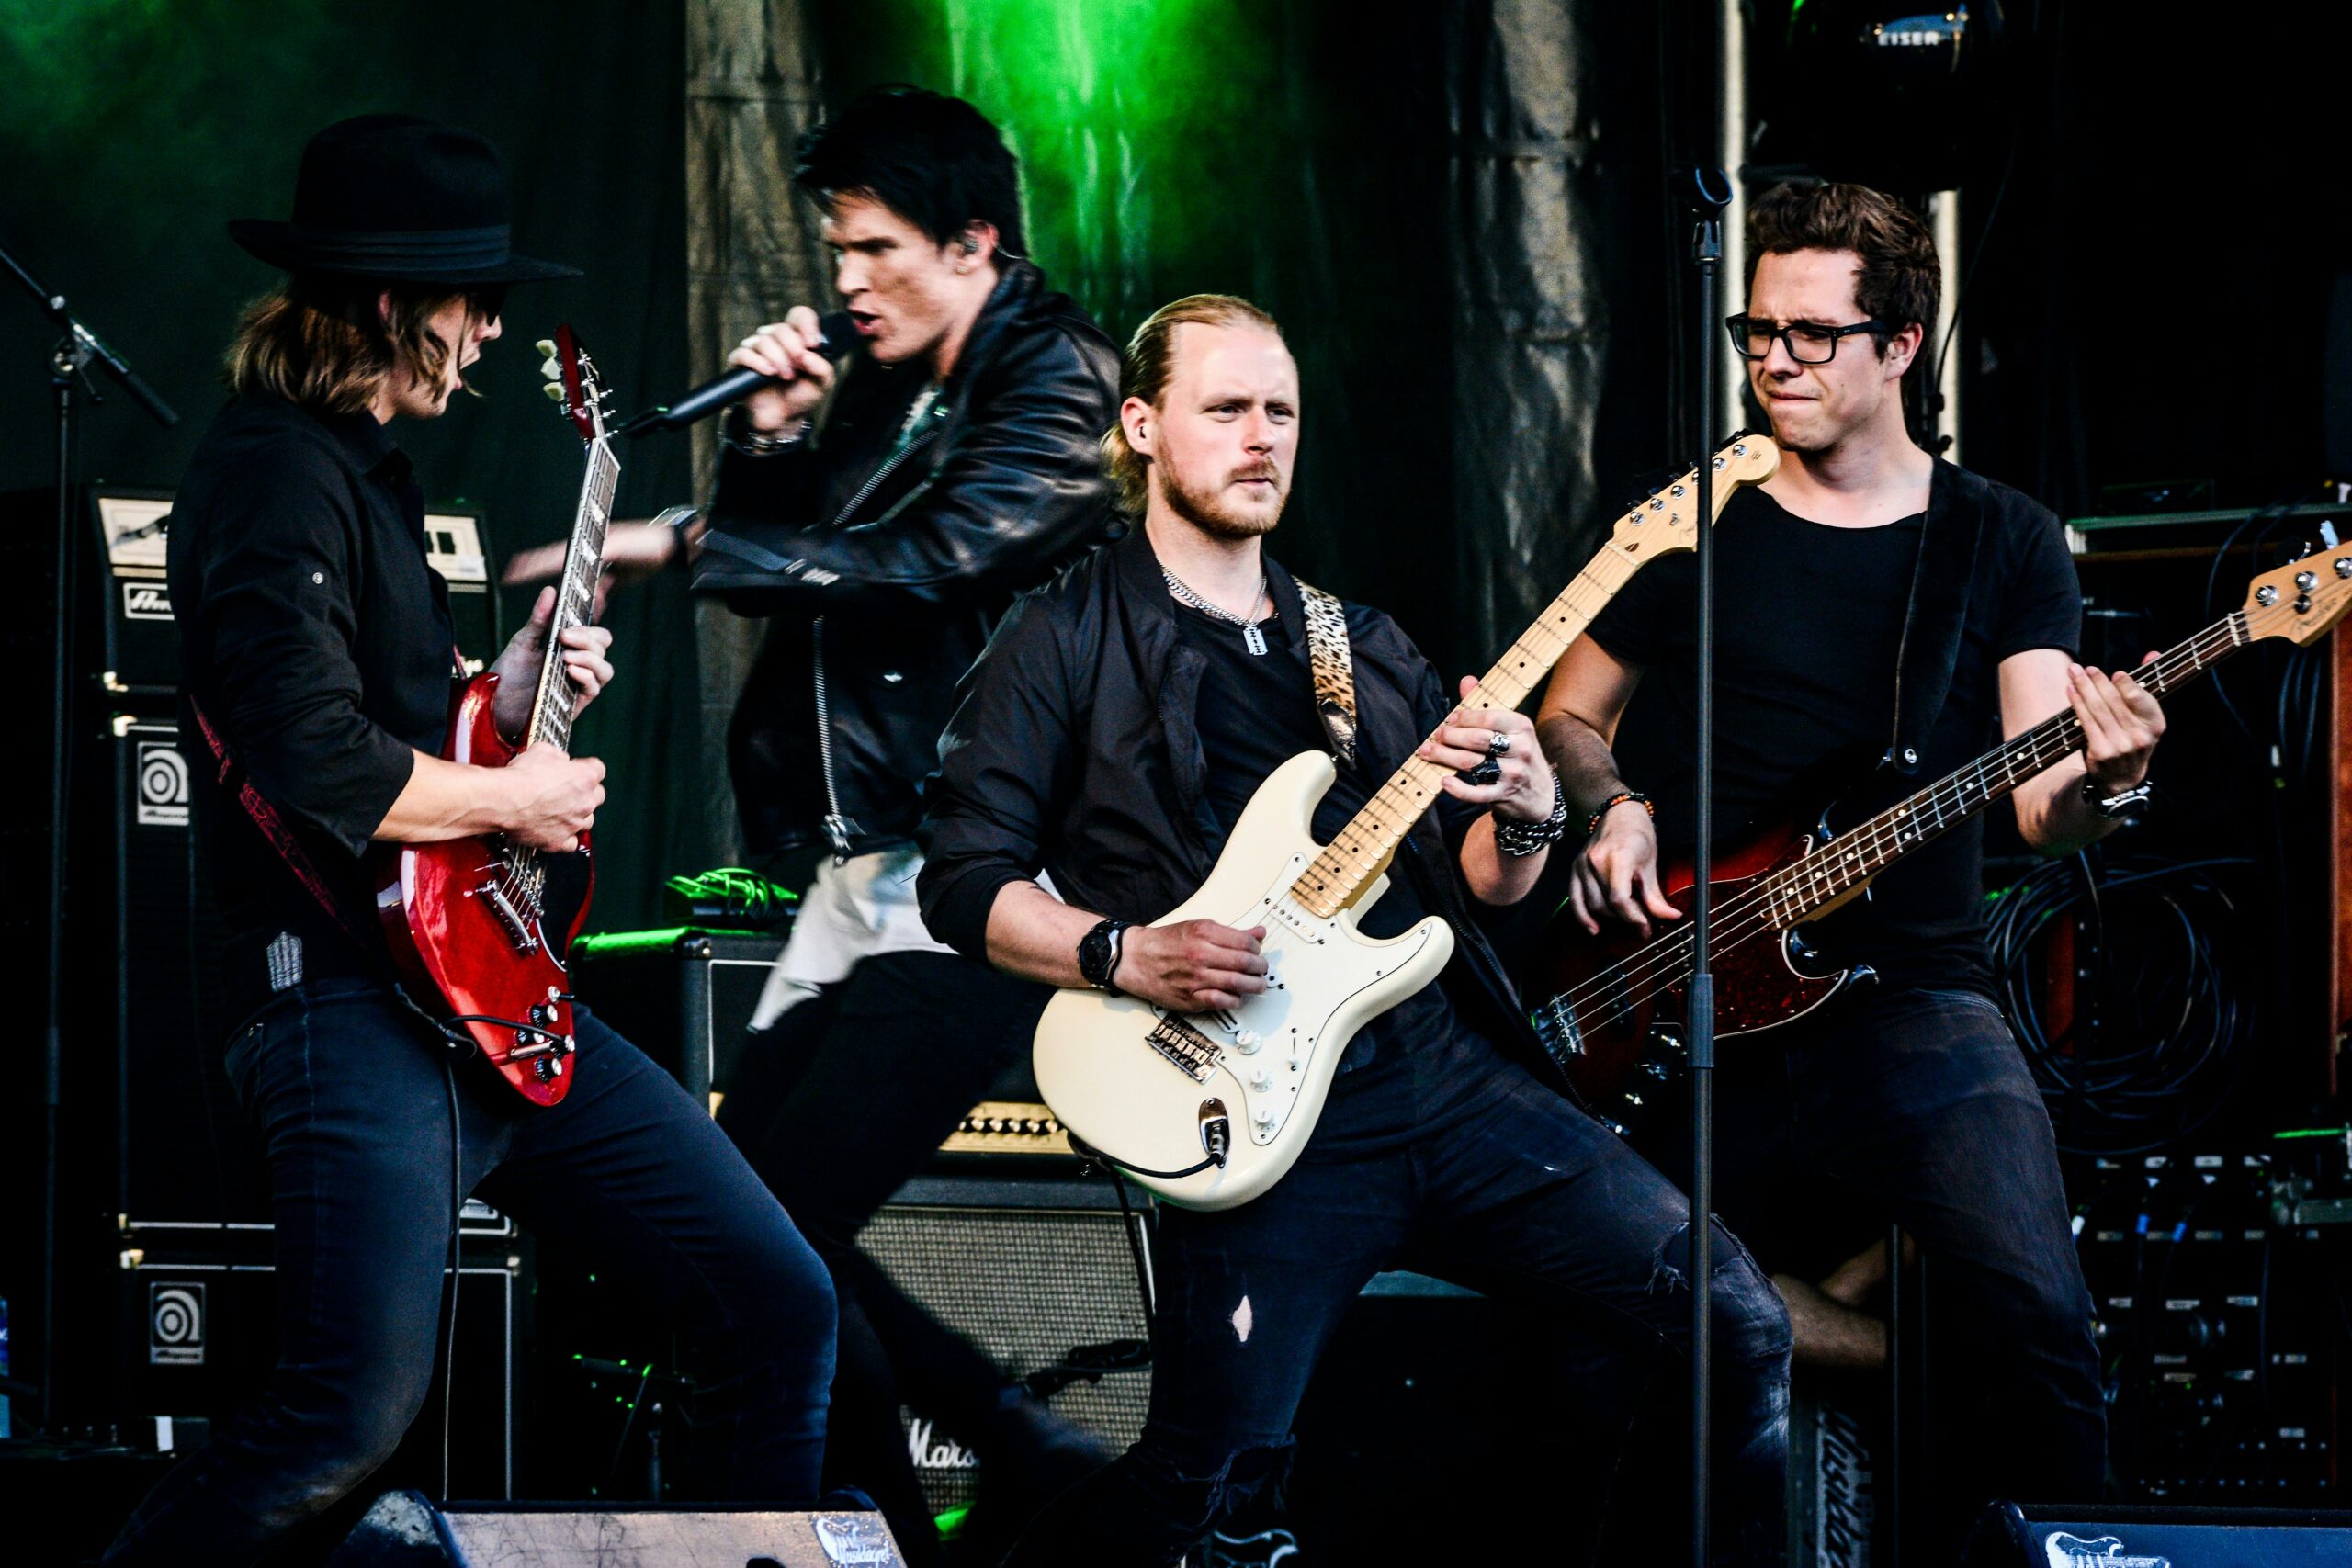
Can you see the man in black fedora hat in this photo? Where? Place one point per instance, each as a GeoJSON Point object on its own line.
{"type": "Point", "coordinates": [316, 647]}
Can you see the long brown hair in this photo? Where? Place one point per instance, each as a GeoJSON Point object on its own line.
{"type": "Point", "coordinates": [326, 343]}
{"type": "Point", "coordinates": [1144, 374]}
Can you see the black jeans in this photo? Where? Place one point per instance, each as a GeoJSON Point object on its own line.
{"type": "Point", "coordinates": [1454, 1160]}
{"type": "Point", "coordinates": [1917, 1106]}
{"type": "Point", "coordinates": [348, 1087]}
{"type": "Point", "coordinates": [840, 1101]}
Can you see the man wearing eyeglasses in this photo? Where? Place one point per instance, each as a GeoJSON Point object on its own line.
{"type": "Point", "coordinates": [1873, 600]}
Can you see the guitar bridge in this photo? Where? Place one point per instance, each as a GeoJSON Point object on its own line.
{"type": "Point", "coordinates": [526, 939]}
{"type": "Point", "coordinates": [1194, 1053]}
{"type": "Point", "coordinates": [1556, 1025]}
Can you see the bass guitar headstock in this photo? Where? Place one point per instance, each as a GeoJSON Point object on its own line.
{"type": "Point", "coordinates": [572, 383]}
{"type": "Point", "coordinates": [2302, 599]}
{"type": "Point", "coordinates": [1667, 519]}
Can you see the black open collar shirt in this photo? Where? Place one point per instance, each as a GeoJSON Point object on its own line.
{"type": "Point", "coordinates": [318, 641]}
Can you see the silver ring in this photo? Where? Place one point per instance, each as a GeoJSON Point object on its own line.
{"type": "Point", "coordinates": [1499, 744]}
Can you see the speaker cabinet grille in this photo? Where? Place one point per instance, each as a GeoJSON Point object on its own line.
{"type": "Point", "coordinates": [1035, 1288]}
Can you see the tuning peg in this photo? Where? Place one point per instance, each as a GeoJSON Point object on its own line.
{"type": "Point", "coordinates": [554, 392]}
{"type": "Point", "coordinates": [546, 346]}
{"type": "Point", "coordinates": [551, 370]}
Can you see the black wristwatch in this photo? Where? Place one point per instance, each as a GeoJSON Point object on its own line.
{"type": "Point", "coordinates": [1098, 956]}
{"type": "Point", "coordinates": [2124, 806]}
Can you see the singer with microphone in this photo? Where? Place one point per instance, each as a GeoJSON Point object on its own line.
{"type": "Point", "coordinates": [899, 474]}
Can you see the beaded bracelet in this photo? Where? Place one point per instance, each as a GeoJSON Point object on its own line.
{"type": "Point", "coordinates": [1592, 823]}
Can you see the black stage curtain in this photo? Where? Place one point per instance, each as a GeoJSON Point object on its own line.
{"type": "Point", "coordinates": [134, 132]}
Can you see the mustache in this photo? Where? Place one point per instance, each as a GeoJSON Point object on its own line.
{"type": "Point", "coordinates": [1257, 471]}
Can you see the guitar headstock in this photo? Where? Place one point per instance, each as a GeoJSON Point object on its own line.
{"type": "Point", "coordinates": [2302, 599]}
{"type": "Point", "coordinates": [572, 383]}
{"type": "Point", "coordinates": [1669, 519]}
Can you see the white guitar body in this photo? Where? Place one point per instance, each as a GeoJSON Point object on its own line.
{"type": "Point", "coordinates": [1150, 1088]}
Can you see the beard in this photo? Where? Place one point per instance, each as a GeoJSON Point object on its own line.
{"type": "Point", "coordinates": [1208, 510]}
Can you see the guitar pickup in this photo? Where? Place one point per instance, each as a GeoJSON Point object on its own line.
{"type": "Point", "coordinates": [1194, 1053]}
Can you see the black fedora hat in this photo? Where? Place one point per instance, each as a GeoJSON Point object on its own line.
{"type": "Point", "coordinates": [397, 197]}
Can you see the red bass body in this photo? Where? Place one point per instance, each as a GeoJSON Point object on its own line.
{"type": "Point", "coordinates": [1621, 1039]}
{"type": "Point", "coordinates": [479, 929]}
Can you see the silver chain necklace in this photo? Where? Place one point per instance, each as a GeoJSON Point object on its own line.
{"type": "Point", "coordinates": [1251, 636]}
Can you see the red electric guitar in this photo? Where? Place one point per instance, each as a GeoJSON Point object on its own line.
{"type": "Point", "coordinates": [1611, 1005]}
{"type": "Point", "coordinates": [480, 928]}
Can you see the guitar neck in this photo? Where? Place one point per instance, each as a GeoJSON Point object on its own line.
{"type": "Point", "coordinates": [1794, 894]}
{"type": "Point", "coordinates": [575, 596]}
{"type": "Point", "coordinates": [1360, 851]}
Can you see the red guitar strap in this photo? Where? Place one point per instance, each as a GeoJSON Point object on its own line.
{"type": "Point", "coordinates": [230, 776]}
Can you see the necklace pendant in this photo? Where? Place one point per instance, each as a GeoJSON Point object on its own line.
{"type": "Point", "coordinates": [1255, 639]}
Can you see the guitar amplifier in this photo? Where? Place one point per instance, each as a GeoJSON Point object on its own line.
{"type": "Point", "coordinates": [2010, 1536]}
{"type": "Point", "coordinates": [139, 646]}
{"type": "Point", "coordinates": [684, 996]}
{"type": "Point", "coordinates": [185, 1152]}
{"type": "Point", "coordinates": [1041, 1275]}
{"type": "Point", "coordinates": [197, 1336]}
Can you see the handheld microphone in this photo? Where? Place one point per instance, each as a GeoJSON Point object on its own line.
{"type": "Point", "coordinates": [834, 334]}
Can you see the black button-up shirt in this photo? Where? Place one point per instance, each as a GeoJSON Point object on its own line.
{"type": "Point", "coordinates": [318, 641]}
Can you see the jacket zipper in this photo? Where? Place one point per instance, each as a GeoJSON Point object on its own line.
{"type": "Point", "coordinates": [838, 830]}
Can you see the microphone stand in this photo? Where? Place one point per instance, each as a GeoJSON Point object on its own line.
{"type": "Point", "coordinates": [1709, 194]}
{"type": "Point", "coordinates": [68, 362]}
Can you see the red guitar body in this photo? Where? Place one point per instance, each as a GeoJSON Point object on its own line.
{"type": "Point", "coordinates": [1621, 1047]}
{"type": "Point", "coordinates": [479, 929]}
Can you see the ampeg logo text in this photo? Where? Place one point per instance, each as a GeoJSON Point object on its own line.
{"type": "Point", "coordinates": [162, 786]}
{"type": "Point", "coordinates": [2072, 1551]}
{"type": "Point", "coordinates": [175, 1325]}
{"type": "Point", "coordinates": [146, 602]}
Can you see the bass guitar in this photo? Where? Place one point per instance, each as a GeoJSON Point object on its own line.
{"type": "Point", "coordinates": [480, 928]}
{"type": "Point", "coordinates": [1210, 1109]}
{"type": "Point", "coordinates": [1613, 1007]}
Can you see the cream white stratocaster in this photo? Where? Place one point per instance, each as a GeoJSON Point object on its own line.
{"type": "Point", "coordinates": [1210, 1109]}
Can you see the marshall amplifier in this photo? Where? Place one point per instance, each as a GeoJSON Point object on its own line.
{"type": "Point", "coordinates": [1039, 1274]}
{"type": "Point", "coordinates": [139, 643]}
{"type": "Point", "coordinates": [2010, 1536]}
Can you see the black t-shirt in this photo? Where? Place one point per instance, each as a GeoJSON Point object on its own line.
{"type": "Point", "coordinates": [1256, 712]}
{"type": "Point", "coordinates": [1808, 624]}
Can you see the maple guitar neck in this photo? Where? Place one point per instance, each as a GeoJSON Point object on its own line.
{"type": "Point", "coordinates": [575, 597]}
{"type": "Point", "coordinates": [1360, 851]}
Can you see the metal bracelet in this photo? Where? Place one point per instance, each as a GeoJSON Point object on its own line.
{"type": "Point", "coordinates": [737, 433]}
{"type": "Point", "coordinates": [1520, 839]}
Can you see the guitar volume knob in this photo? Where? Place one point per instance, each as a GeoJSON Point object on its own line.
{"type": "Point", "coordinates": [1246, 1040]}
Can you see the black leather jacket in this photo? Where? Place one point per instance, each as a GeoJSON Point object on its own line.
{"type": "Point", "coordinates": [881, 567]}
{"type": "Point", "coordinates": [1074, 749]}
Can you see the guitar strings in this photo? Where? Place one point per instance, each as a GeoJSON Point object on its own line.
{"type": "Point", "coordinates": [1667, 954]}
{"type": "Point", "coordinates": [1662, 963]}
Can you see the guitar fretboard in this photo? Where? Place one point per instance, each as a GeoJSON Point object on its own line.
{"type": "Point", "coordinates": [1794, 894]}
{"type": "Point", "coordinates": [575, 596]}
{"type": "Point", "coordinates": [1360, 851]}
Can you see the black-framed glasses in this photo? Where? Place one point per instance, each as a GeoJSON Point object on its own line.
{"type": "Point", "coordinates": [486, 300]}
{"type": "Point", "coordinates": [1808, 343]}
